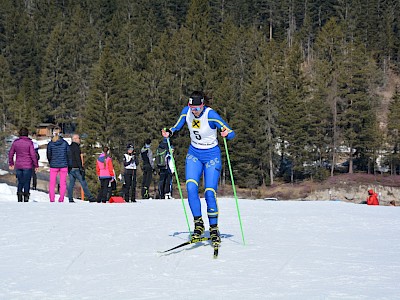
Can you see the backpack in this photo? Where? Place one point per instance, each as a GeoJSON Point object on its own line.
{"type": "Point", "coordinates": [161, 161]}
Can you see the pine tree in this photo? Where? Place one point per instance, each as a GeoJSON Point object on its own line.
{"type": "Point", "coordinates": [394, 132]}
{"type": "Point", "coordinates": [358, 118]}
{"type": "Point", "coordinates": [262, 99]}
{"type": "Point", "coordinates": [327, 70]}
{"type": "Point", "coordinates": [7, 95]}
{"type": "Point", "coordinates": [292, 111]}
{"type": "Point", "coordinates": [197, 38]}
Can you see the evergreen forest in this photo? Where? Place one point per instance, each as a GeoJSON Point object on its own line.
{"type": "Point", "coordinates": [299, 81]}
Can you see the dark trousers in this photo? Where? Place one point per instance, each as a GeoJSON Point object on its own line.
{"type": "Point", "coordinates": [164, 185]}
{"type": "Point", "coordinates": [129, 188]}
{"type": "Point", "coordinates": [34, 179]}
{"type": "Point", "coordinates": [75, 174]}
{"type": "Point", "coordinates": [24, 180]}
{"type": "Point", "coordinates": [103, 192]}
{"type": "Point", "coordinates": [147, 175]}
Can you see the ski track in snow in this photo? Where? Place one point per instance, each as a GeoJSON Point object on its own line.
{"type": "Point", "coordinates": [294, 250]}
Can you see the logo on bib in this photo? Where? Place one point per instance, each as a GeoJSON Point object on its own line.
{"type": "Point", "coordinates": [196, 124]}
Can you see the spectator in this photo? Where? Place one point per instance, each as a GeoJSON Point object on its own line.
{"type": "Point", "coordinates": [59, 158]}
{"type": "Point", "coordinates": [34, 176]}
{"type": "Point", "coordinates": [25, 161]}
{"type": "Point", "coordinates": [148, 168]}
{"type": "Point", "coordinates": [105, 171]}
{"type": "Point", "coordinates": [372, 198]}
{"type": "Point", "coordinates": [131, 162]}
{"type": "Point", "coordinates": [163, 159]}
{"type": "Point", "coordinates": [77, 171]}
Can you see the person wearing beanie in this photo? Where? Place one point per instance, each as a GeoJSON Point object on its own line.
{"type": "Point", "coordinates": [25, 161]}
{"type": "Point", "coordinates": [148, 168]}
{"type": "Point", "coordinates": [203, 158]}
{"type": "Point", "coordinates": [130, 162]}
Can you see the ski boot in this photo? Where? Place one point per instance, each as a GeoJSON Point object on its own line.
{"type": "Point", "coordinates": [214, 235]}
{"type": "Point", "coordinates": [198, 228]}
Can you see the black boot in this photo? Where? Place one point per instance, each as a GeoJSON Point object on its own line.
{"type": "Point", "coordinates": [19, 195]}
{"type": "Point", "coordinates": [198, 227]}
{"type": "Point", "coordinates": [26, 197]}
{"type": "Point", "coordinates": [214, 235]}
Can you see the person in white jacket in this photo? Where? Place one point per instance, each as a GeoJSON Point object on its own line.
{"type": "Point", "coordinates": [131, 162]}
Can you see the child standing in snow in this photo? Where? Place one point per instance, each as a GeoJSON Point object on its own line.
{"type": "Point", "coordinates": [105, 171]}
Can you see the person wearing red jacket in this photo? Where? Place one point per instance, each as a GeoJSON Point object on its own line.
{"type": "Point", "coordinates": [105, 171]}
{"type": "Point", "coordinates": [372, 198]}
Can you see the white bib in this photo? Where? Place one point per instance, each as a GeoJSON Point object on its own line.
{"type": "Point", "coordinates": [201, 134]}
{"type": "Point", "coordinates": [132, 165]}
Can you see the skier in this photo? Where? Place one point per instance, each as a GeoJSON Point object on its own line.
{"type": "Point", "coordinates": [204, 156]}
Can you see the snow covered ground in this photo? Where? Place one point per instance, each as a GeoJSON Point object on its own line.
{"type": "Point", "coordinates": [294, 250]}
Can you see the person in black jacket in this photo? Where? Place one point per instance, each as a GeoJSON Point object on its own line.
{"type": "Point", "coordinates": [163, 158]}
{"type": "Point", "coordinates": [148, 168]}
{"type": "Point", "coordinates": [131, 162]}
{"type": "Point", "coordinates": [76, 171]}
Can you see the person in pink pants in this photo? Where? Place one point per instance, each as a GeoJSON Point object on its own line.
{"type": "Point", "coordinates": [59, 159]}
{"type": "Point", "coordinates": [53, 181]}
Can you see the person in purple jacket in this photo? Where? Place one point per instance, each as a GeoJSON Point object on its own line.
{"type": "Point", "coordinates": [25, 161]}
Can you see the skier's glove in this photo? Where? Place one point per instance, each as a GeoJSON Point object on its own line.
{"type": "Point", "coordinates": [166, 132]}
{"type": "Point", "coordinates": [224, 132]}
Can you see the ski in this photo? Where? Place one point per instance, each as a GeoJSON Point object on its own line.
{"type": "Point", "coordinates": [193, 241]}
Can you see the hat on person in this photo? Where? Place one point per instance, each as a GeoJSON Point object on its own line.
{"type": "Point", "coordinates": [196, 99]}
{"type": "Point", "coordinates": [130, 146]}
{"type": "Point", "coordinates": [148, 142]}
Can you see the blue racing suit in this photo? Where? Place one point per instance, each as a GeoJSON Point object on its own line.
{"type": "Point", "coordinates": [204, 157]}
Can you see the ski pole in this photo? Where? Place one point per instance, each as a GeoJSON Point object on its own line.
{"type": "Point", "coordinates": [178, 183]}
{"type": "Point", "coordinates": [234, 189]}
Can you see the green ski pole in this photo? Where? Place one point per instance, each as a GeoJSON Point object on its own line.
{"type": "Point", "coordinates": [234, 189]}
{"type": "Point", "coordinates": [179, 185]}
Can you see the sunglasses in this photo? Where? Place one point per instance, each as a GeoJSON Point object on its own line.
{"type": "Point", "coordinates": [198, 108]}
